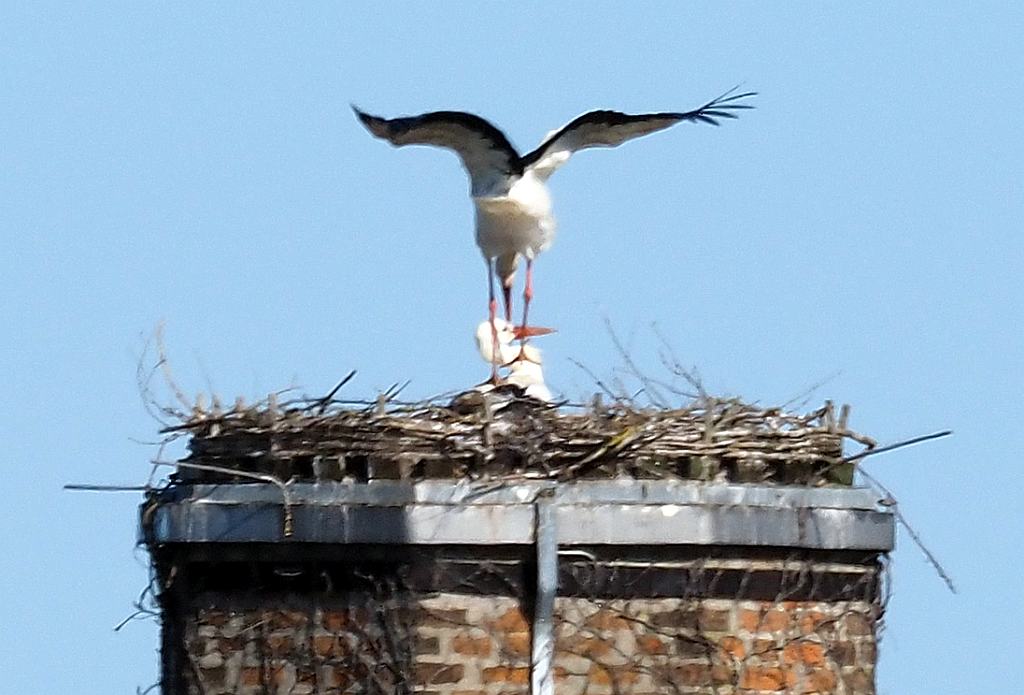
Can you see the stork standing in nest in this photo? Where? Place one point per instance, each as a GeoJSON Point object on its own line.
{"type": "Point", "coordinates": [526, 373]}
{"type": "Point", "coordinates": [514, 218]}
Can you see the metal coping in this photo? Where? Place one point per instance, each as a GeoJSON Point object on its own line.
{"type": "Point", "coordinates": [462, 512]}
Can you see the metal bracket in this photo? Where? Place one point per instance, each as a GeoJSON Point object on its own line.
{"type": "Point", "coordinates": [542, 679]}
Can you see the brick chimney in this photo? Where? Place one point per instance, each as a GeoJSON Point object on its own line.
{"type": "Point", "coordinates": [314, 577]}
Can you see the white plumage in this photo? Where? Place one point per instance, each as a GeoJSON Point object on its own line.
{"type": "Point", "coordinates": [524, 364]}
{"type": "Point", "coordinates": [514, 217]}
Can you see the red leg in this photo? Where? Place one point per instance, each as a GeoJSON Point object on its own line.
{"type": "Point", "coordinates": [527, 296]}
{"type": "Point", "coordinates": [528, 290]}
{"type": "Point", "coordinates": [492, 308]}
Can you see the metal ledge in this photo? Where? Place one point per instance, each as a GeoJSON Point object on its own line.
{"type": "Point", "coordinates": [484, 513]}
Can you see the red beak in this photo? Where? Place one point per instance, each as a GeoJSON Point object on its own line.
{"type": "Point", "coordinates": [521, 332]}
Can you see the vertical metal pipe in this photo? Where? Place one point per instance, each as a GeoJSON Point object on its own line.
{"type": "Point", "coordinates": [542, 679]}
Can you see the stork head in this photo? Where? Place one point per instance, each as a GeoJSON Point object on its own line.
{"type": "Point", "coordinates": [507, 334]}
{"type": "Point", "coordinates": [485, 339]}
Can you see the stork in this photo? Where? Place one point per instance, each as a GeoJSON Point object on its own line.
{"type": "Point", "coordinates": [526, 373]}
{"type": "Point", "coordinates": [514, 217]}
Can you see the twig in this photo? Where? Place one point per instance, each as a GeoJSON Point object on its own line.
{"type": "Point", "coordinates": [143, 378]}
{"type": "Point", "coordinates": [597, 380]}
{"type": "Point", "coordinates": [165, 367]}
{"type": "Point", "coordinates": [801, 398]}
{"type": "Point", "coordinates": [649, 387]}
{"type": "Point", "coordinates": [897, 445]}
{"type": "Point", "coordinates": [263, 477]}
{"type": "Point", "coordinates": [325, 401]}
{"type": "Point", "coordinates": [140, 607]}
{"type": "Point", "coordinates": [159, 457]}
{"type": "Point", "coordinates": [890, 501]}
{"type": "Point", "coordinates": [691, 376]}
{"type": "Point", "coordinates": [394, 391]}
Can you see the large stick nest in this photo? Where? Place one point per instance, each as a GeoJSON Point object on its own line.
{"type": "Point", "coordinates": [501, 436]}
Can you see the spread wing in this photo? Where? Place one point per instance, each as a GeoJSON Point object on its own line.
{"type": "Point", "coordinates": [611, 128]}
{"type": "Point", "coordinates": [487, 155]}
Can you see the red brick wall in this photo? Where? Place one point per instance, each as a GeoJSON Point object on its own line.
{"type": "Point", "coordinates": [459, 644]}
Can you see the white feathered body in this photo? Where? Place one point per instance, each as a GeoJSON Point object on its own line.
{"type": "Point", "coordinates": [517, 222]}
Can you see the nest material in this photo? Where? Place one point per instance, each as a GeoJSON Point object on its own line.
{"type": "Point", "coordinates": [498, 437]}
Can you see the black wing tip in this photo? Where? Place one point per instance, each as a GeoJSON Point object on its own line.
{"type": "Point", "coordinates": [719, 107]}
{"type": "Point", "coordinates": [375, 124]}
{"type": "Point", "coordinates": [729, 96]}
{"type": "Point", "coordinates": [363, 115]}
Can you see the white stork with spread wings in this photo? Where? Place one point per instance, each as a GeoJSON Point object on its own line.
{"type": "Point", "coordinates": [513, 206]}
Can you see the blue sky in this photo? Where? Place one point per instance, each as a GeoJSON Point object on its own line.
{"type": "Point", "coordinates": [198, 164]}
